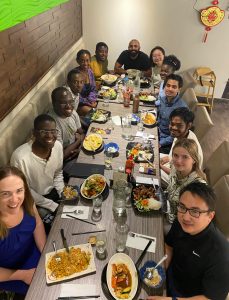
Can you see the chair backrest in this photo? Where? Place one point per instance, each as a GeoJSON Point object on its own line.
{"type": "Point", "coordinates": [221, 189]}
{"type": "Point", "coordinates": [217, 164]}
{"type": "Point", "coordinates": [190, 99]}
{"type": "Point", "coordinates": [202, 122]}
{"type": "Point", "coordinates": [188, 82]}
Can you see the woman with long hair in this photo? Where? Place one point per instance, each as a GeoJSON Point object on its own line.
{"type": "Point", "coordinates": [185, 169]}
{"type": "Point", "coordinates": [22, 234]}
{"type": "Point", "coordinates": [156, 56]}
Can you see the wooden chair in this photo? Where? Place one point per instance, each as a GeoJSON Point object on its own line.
{"type": "Point", "coordinates": [205, 87]}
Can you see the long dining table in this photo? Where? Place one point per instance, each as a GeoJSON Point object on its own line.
{"type": "Point", "coordinates": [148, 224]}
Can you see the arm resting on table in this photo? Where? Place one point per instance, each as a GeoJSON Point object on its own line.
{"type": "Point", "coordinates": [39, 232]}
{"type": "Point", "coordinates": [23, 275]}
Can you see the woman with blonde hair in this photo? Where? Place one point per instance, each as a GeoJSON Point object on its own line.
{"type": "Point", "coordinates": [22, 234]}
{"type": "Point", "coordinates": [185, 169]}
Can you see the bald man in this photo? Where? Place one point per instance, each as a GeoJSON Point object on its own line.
{"type": "Point", "coordinates": [133, 58]}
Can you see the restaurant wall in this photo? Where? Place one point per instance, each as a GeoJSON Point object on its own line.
{"type": "Point", "coordinates": [173, 24]}
{"type": "Point", "coordinates": [30, 49]}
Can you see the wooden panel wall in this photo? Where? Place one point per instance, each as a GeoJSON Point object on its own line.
{"type": "Point", "coordinates": [28, 50]}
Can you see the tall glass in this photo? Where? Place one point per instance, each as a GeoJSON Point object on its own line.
{"type": "Point", "coordinates": [119, 201]}
{"type": "Point", "coordinates": [121, 236]}
{"type": "Point", "coordinates": [127, 128]}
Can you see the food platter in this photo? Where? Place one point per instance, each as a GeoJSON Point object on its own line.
{"type": "Point", "coordinates": [145, 198]}
{"type": "Point", "coordinates": [148, 119]}
{"type": "Point", "coordinates": [93, 186]}
{"type": "Point", "coordinates": [122, 266]}
{"type": "Point", "coordinates": [135, 150]}
{"type": "Point", "coordinates": [146, 97]}
{"type": "Point", "coordinates": [92, 142]}
{"type": "Point", "coordinates": [70, 194]}
{"type": "Point", "coordinates": [81, 262]}
{"type": "Point", "coordinates": [107, 92]}
{"type": "Point", "coordinates": [99, 115]}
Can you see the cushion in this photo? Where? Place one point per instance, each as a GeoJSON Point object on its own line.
{"type": "Point", "coordinates": [202, 122]}
{"type": "Point", "coordinates": [189, 98]}
{"type": "Point", "coordinates": [188, 82]}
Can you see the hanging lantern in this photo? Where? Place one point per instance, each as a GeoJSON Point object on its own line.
{"type": "Point", "coordinates": [211, 16]}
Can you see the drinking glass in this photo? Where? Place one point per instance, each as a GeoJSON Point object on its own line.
{"type": "Point", "coordinates": [101, 241]}
{"type": "Point", "coordinates": [121, 237]}
{"type": "Point", "coordinates": [119, 201]}
{"type": "Point", "coordinates": [126, 128]}
{"type": "Point", "coordinates": [128, 191]}
{"type": "Point", "coordinates": [97, 212]}
{"type": "Point", "coordinates": [108, 156]}
{"type": "Point", "coordinates": [106, 100]}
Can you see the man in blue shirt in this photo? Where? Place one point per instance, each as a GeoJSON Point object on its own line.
{"type": "Point", "coordinates": [172, 85]}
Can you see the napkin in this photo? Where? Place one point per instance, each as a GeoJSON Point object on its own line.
{"type": "Point", "coordinates": [147, 180]}
{"type": "Point", "coordinates": [82, 216]}
{"type": "Point", "coordinates": [142, 134]}
{"type": "Point", "coordinates": [71, 290]}
{"type": "Point", "coordinates": [140, 241]}
{"type": "Point", "coordinates": [116, 120]}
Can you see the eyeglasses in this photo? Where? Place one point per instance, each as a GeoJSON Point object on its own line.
{"type": "Point", "coordinates": [192, 211]}
{"type": "Point", "coordinates": [46, 131]}
{"type": "Point", "coordinates": [64, 103]}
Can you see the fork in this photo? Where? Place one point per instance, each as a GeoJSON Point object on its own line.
{"type": "Point", "coordinates": [149, 162]}
{"type": "Point", "coordinates": [75, 212]}
{"type": "Point", "coordinates": [57, 257]}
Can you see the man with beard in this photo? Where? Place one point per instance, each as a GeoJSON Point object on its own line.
{"type": "Point", "coordinates": [180, 122]}
{"type": "Point", "coordinates": [133, 58]}
{"type": "Point", "coordinates": [172, 85]}
{"type": "Point", "coordinates": [70, 133]}
{"type": "Point", "coordinates": [41, 160]}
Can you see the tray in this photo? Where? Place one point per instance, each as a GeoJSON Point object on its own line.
{"type": "Point", "coordinates": [90, 269]}
{"type": "Point", "coordinates": [149, 147]}
{"type": "Point", "coordinates": [146, 210]}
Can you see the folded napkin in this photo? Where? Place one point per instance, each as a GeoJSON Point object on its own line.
{"type": "Point", "coordinates": [139, 241]}
{"type": "Point", "coordinates": [116, 120]}
{"type": "Point", "coordinates": [69, 208]}
{"type": "Point", "coordinates": [146, 180]}
{"type": "Point", "coordinates": [142, 134]}
{"type": "Point", "coordinates": [71, 290]}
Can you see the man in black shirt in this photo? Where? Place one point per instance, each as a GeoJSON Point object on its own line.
{"type": "Point", "coordinates": [198, 253]}
{"type": "Point", "coordinates": [133, 58]}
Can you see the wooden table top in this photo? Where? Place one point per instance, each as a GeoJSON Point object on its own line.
{"type": "Point", "coordinates": [151, 224]}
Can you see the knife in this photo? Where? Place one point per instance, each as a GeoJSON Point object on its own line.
{"type": "Point", "coordinates": [64, 240]}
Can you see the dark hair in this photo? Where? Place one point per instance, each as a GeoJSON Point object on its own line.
{"type": "Point", "coordinates": [173, 61]}
{"type": "Point", "coordinates": [176, 77]}
{"type": "Point", "coordinates": [151, 52]}
{"type": "Point", "coordinates": [184, 113]}
{"type": "Point", "coordinates": [82, 52]}
{"type": "Point", "coordinates": [28, 200]}
{"type": "Point", "coordinates": [204, 191]}
{"type": "Point", "coordinates": [56, 92]}
{"type": "Point", "coordinates": [42, 118]}
{"type": "Point", "coordinates": [100, 45]}
{"type": "Point", "coordinates": [72, 72]}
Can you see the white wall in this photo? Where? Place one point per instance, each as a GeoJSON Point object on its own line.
{"type": "Point", "coordinates": [173, 24]}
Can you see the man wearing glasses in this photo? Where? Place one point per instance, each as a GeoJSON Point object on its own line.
{"type": "Point", "coordinates": [198, 253]}
{"type": "Point", "coordinates": [41, 160]}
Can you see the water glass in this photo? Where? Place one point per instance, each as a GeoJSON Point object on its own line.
{"type": "Point", "coordinates": [108, 157]}
{"type": "Point", "coordinates": [101, 241]}
{"type": "Point", "coordinates": [128, 191]}
{"type": "Point", "coordinates": [119, 201]}
{"type": "Point", "coordinates": [106, 100]}
{"type": "Point", "coordinates": [121, 237]}
{"type": "Point", "coordinates": [97, 212]}
{"type": "Point", "coordinates": [126, 128]}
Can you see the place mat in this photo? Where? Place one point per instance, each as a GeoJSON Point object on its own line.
{"type": "Point", "coordinates": [71, 290]}
{"type": "Point", "coordinates": [116, 120]}
{"type": "Point", "coordinates": [139, 241]}
{"type": "Point", "coordinates": [83, 170]}
{"type": "Point", "coordinates": [68, 209]}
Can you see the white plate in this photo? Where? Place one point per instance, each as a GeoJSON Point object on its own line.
{"type": "Point", "coordinates": [90, 269]}
{"type": "Point", "coordinates": [83, 185]}
{"type": "Point", "coordinates": [122, 258]}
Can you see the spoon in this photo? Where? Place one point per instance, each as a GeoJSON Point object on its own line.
{"type": "Point", "coordinates": [149, 271]}
{"type": "Point", "coordinates": [57, 257]}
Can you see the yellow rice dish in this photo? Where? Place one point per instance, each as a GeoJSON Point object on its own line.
{"type": "Point", "coordinates": [92, 142]}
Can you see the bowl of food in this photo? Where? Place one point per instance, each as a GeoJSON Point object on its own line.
{"type": "Point", "coordinates": [107, 92]}
{"type": "Point", "coordinates": [93, 186]}
{"type": "Point", "coordinates": [112, 148]}
{"type": "Point", "coordinates": [70, 194]}
{"type": "Point", "coordinates": [148, 119]}
{"type": "Point", "coordinates": [109, 78]}
{"type": "Point", "coordinates": [92, 142]}
{"type": "Point", "coordinates": [122, 277]}
{"type": "Point", "coordinates": [158, 275]}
